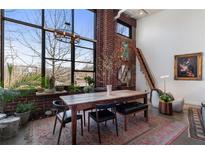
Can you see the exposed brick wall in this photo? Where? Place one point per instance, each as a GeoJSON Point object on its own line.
{"type": "Point", "coordinates": [41, 103]}
{"type": "Point", "coordinates": [110, 43]}
{"type": "Point", "coordinates": [0, 44]}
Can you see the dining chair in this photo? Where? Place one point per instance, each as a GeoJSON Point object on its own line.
{"type": "Point", "coordinates": [96, 89]}
{"type": "Point", "coordinates": [103, 113]}
{"type": "Point", "coordinates": [63, 115]}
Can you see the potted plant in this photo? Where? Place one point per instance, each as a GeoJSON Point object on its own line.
{"type": "Point", "coordinates": [8, 124]}
{"type": "Point", "coordinates": [73, 89]}
{"type": "Point", "coordinates": [49, 84]}
{"type": "Point", "coordinates": [7, 95]}
{"type": "Point", "coordinates": [89, 84]}
{"type": "Point", "coordinates": [23, 111]}
{"type": "Point", "coordinates": [165, 104]}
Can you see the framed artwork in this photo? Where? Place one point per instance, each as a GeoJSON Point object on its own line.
{"type": "Point", "coordinates": [188, 67]}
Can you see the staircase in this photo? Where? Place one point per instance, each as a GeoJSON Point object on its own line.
{"type": "Point", "coordinates": [145, 68]}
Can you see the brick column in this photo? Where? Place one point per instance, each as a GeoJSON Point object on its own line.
{"type": "Point", "coordinates": [105, 44]}
{"type": "Point", "coordinates": [109, 46]}
{"type": "Point", "coordinates": [0, 45]}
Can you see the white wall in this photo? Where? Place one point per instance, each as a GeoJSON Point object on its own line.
{"type": "Point", "coordinates": [165, 34]}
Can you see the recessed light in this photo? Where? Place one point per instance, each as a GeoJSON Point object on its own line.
{"type": "Point", "coordinates": [141, 12]}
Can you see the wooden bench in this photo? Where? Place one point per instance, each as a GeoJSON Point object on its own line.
{"type": "Point", "coordinates": [132, 108]}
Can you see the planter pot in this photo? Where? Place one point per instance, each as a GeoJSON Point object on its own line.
{"type": "Point", "coordinates": [40, 90]}
{"type": "Point", "coordinates": [50, 91]}
{"type": "Point", "coordinates": [2, 116]}
{"type": "Point", "coordinates": [165, 108]}
{"type": "Point", "coordinates": [109, 89]}
{"type": "Point", "coordinates": [24, 117]}
{"type": "Point", "coordinates": [9, 127]}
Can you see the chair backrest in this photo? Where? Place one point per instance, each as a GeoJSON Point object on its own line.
{"type": "Point", "coordinates": [105, 106]}
{"type": "Point", "coordinates": [154, 97]}
{"type": "Point", "coordinates": [59, 106]}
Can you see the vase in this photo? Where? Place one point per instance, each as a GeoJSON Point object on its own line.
{"type": "Point", "coordinates": [165, 108]}
{"type": "Point", "coordinates": [109, 89]}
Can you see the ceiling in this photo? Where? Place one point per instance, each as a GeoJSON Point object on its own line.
{"type": "Point", "coordinates": [140, 13]}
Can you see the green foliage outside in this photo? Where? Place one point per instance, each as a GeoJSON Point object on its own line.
{"type": "Point", "coordinates": [89, 80]}
{"type": "Point", "coordinates": [90, 84]}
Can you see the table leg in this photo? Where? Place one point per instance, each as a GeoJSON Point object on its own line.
{"type": "Point", "coordinates": [145, 99]}
{"type": "Point", "coordinates": [74, 123]}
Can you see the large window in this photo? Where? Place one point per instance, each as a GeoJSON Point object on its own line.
{"type": "Point", "coordinates": [31, 50]}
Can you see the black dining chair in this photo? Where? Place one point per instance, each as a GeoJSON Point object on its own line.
{"type": "Point", "coordinates": [103, 113]}
{"type": "Point", "coordinates": [97, 89]}
{"type": "Point", "coordinates": [63, 115]}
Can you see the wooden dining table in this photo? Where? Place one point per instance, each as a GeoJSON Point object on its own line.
{"type": "Point", "coordinates": [80, 102]}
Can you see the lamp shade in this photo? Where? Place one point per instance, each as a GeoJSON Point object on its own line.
{"type": "Point", "coordinates": [164, 76]}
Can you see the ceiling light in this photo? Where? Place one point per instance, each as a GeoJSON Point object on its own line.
{"type": "Point", "coordinates": [141, 12]}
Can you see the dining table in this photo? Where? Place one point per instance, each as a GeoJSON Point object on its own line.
{"type": "Point", "coordinates": [79, 102]}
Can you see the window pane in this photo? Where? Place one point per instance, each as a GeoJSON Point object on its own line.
{"type": "Point", "coordinates": [79, 77]}
{"type": "Point", "coordinates": [84, 66]}
{"type": "Point", "coordinates": [30, 16]}
{"type": "Point", "coordinates": [56, 18]}
{"type": "Point", "coordinates": [83, 55]}
{"type": "Point", "coordinates": [123, 30]}
{"type": "Point", "coordinates": [57, 49]}
{"type": "Point", "coordinates": [61, 70]}
{"type": "Point", "coordinates": [23, 51]}
{"type": "Point", "coordinates": [86, 44]}
{"type": "Point", "coordinates": [84, 23]}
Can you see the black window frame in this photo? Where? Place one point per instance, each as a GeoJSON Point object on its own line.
{"type": "Point", "coordinates": [126, 25]}
{"type": "Point", "coordinates": [43, 44]}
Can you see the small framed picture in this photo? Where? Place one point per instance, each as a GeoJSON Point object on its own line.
{"type": "Point", "coordinates": [188, 66]}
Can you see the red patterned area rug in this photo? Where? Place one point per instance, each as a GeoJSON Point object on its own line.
{"type": "Point", "coordinates": [158, 130]}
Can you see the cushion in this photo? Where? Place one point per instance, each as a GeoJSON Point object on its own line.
{"type": "Point", "coordinates": [178, 104]}
{"type": "Point", "coordinates": [129, 108]}
{"type": "Point", "coordinates": [103, 115]}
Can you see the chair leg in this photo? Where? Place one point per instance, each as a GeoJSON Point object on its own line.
{"type": "Point", "coordinates": [81, 120]}
{"type": "Point", "coordinates": [116, 125]}
{"type": "Point", "coordinates": [88, 122]}
{"type": "Point", "coordinates": [113, 121]}
{"type": "Point", "coordinates": [84, 117]}
{"type": "Point", "coordinates": [146, 115]}
{"type": "Point", "coordinates": [99, 132]}
{"type": "Point", "coordinates": [125, 122]}
{"type": "Point", "coordinates": [59, 136]}
{"type": "Point", "coordinates": [105, 123]}
{"type": "Point", "coordinates": [54, 128]}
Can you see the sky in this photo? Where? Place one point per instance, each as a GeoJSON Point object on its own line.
{"type": "Point", "coordinates": [19, 34]}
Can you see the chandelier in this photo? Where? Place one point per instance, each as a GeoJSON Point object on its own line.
{"type": "Point", "coordinates": [66, 35]}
